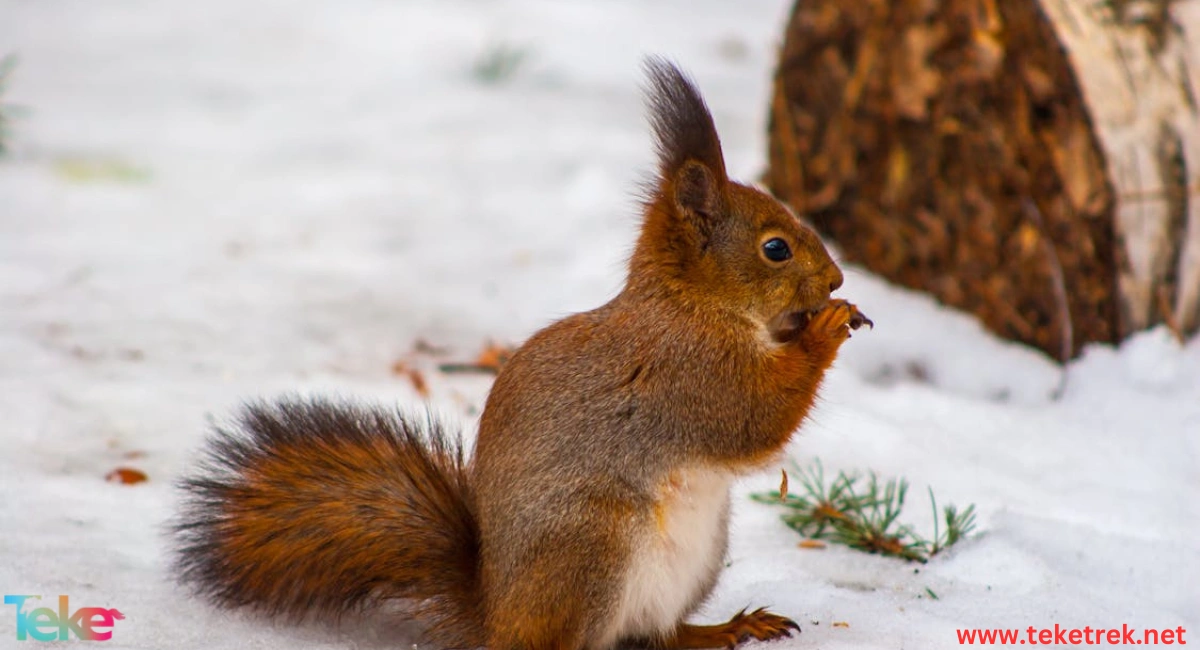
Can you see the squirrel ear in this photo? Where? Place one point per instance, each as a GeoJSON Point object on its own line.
{"type": "Point", "coordinates": [696, 198]}
{"type": "Point", "coordinates": [696, 192]}
{"type": "Point", "coordinates": [689, 151]}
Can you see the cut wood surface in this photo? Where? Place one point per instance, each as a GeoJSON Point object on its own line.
{"type": "Point", "coordinates": [1033, 163]}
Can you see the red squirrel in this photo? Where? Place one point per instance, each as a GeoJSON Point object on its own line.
{"type": "Point", "coordinates": [594, 510]}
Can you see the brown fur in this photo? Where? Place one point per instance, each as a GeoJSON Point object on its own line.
{"type": "Point", "coordinates": [317, 508]}
{"type": "Point", "coordinates": [691, 366]}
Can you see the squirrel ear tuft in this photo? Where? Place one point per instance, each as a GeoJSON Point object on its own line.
{"type": "Point", "coordinates": [683, 127]}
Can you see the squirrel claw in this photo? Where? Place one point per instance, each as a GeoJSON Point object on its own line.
{"type": "Point", "coordinates": [759, 625]}
{"type": "Point", "coordinates": [858, 319]}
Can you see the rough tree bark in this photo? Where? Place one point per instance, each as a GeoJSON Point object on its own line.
{"type": "Point", "coordinates": [1031, 161]}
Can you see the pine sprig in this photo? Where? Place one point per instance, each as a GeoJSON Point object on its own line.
{"type": "Point", "coordinates": [864, 514]}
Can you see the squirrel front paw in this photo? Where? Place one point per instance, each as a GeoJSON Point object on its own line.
{"type": "Point", "coordinates": [832, 325]}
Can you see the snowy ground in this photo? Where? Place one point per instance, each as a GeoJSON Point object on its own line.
{"type": "Point", "coordinates": [215, 200]}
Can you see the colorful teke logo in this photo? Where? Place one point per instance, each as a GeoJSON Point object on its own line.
{"type": "Point", "coordinates": [45, 624]}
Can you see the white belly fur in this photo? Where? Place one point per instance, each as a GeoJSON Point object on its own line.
{"type": "Point", "coordinates": [677, 558]}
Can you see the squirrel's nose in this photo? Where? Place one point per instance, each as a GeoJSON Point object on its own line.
{"type": "Point", "coordinates": [836, 281]}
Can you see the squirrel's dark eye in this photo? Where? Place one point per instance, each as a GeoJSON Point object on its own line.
{"type": "Point", "coordinates": [777, 250]}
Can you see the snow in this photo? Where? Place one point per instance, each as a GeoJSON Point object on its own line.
{"type": "Point", "coordinates": [211, 201]}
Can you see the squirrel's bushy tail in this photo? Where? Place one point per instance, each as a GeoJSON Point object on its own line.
{"type": "Point", "coordinates": [319, 508]}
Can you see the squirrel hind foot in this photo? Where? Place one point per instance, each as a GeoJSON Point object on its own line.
{"type": "Point", "coordinates": [759, 625]}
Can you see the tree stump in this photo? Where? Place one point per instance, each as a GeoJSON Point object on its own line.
{"type": "Point", "coordinates": [1033, 162]}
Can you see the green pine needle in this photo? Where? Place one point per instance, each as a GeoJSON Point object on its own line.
{"type": "Point", "coordinates": [865, 514]}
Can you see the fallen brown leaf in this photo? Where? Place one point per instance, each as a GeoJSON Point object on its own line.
{"type": "Point", "coordinates": [490, 360]}
{"type": "Point", "coordinates": [126, 476]}
{"type": "Point", "coordinates": [493, 356]}
{"type": "Point", "coordinates": [425, 347]}
{"type": "Point", "coordinates": [418, 382]}
{"type": "Point", "coordinates": [400, 368]}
